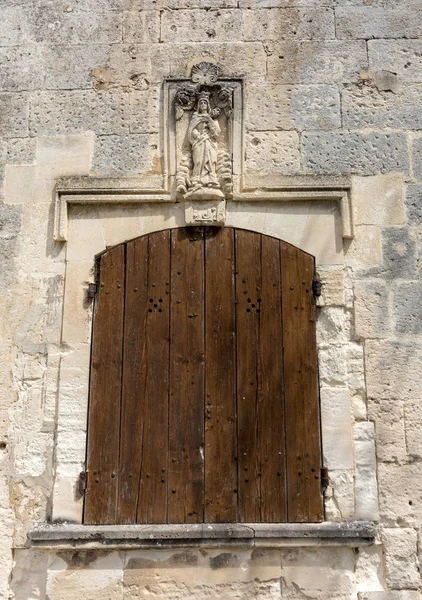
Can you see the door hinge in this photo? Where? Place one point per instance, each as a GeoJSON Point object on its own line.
{"type": "Point", "coordinates": [82, 481]}
{"type": "Point", "coordinates": [92, 290]}
{"type": "Point", "coordinates": [316, 288]}
{"type": "Point", "coordinates": [325, 480]}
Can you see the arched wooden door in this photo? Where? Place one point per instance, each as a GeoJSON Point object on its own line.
{"type": "Point", "coordinates": [203, 394]}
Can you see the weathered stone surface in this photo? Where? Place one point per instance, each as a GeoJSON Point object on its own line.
{"type": "Point", "coordinates": [413, 420]}
{"type": "Point", "coordinates": [22, 68]}
{"type": "Point", "coordinates": [403, 57]}
{"type": "Point", "coordinates": [316, 62]}
{"type": "Point", "coordinates": [68, 67]}
{"type": "Point", "coordinates": [141, 27]}
{"type": "Point", "coordinates": [145, 110]}
{"type": "Point", "coordinates": [370, 569]}
{"type": "Point", "coordinates": [379, 200]}
{"type": "Point", "coordinates": [368, 106]}
{"type": "Point", "coordinates": [414, 203]}
{"type": "Point", "coordinates": [332, 291]}
{"type": "Point", "coordinates": [365, 472]}
{"type": "Point", "coordinates": [29, 574]}
{"type": "Point", "coordinates": [399, 255]}
{"type": "Point", "coordinates": [20, 151]}
{"type": "Point", "coordinates": [190, 26]}
{"type": "Point", "coordinates": [14, 114]}
{"type": "Point", "coordinates": [340, 496]}
{"type": "Point", "coordinates": [336, 428]}
{"type": "Point", "coordinates": [273, 151]}
{"type": "Point", "coordinates": [393, 369]}
{"type": "Point", "coordinates": [400, 493]}
{"type": "Point", "coordinates": [129, 154]}
{"type": "Point", "coordinates": [368, 22]}
{"type": "Point", "coordinates": [400, 551]}
{"type": "Point", "coordinates": [365, 248]}
{"type": "Point", "coordinates": [372, 309]}
{"type": "Point", "coordinates": [388, 416]}
{"type": "Point", "coordinates": [61, 112]}
{"type": "Point", "coordinates": [332, 362]}
{"type": "Point", "coordinates": [282, 3]}
{"type": "Point", "coordinates": [10, 225]}
{"type": "Point", "coordinates": [417, 158]}
{"type": "Point", "coordinates": [408, 308]}
{"type": "Point", "coordinates": [296, 23]}
{"type": "Point", "coordinates": [363, 154]}
{"type": "Point", "coordinates": [333, 325]}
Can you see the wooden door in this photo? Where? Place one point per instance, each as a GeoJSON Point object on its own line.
{"type": "Point", "coordinates": [203, 395]}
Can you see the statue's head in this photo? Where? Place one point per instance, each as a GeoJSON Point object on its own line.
{"type": "Point", "coordinates": [203, 103]}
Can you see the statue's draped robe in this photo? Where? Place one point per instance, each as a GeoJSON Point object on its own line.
{"type": "Point", "coordinates": [203, 135]}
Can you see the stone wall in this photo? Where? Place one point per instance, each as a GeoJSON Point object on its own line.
{"type": "Point", "coordinates": [332, 88]}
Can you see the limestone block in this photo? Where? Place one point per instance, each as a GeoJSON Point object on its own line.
{"type": "Point", "coordinates": [379, 200]}
{"type": "Point", "coordinates": [413, 420]}
{"type": "Point", "coordinates": [124, 154]}
{"type": "Point", "coordinates": [400, 492]}
{"type": "Point", "coordinates": [372, 22]}
{"type": "Point", "coordinates": [29, 573]}
{"type": "Point", "coordinates": [408, 308]}
{"type": "Point", "coordinates": [19, 26]}
{"type": "Point", "coordinates": [84, 240]}
{"type": "Point", "coordinates": [183, 4]}
{"type": "Point", "coordinates": [372, 309]}
{"type": "Point", "coordinates": [336, 428]}
{"type": "Point", "coordinates": [333, 325]}
{"type": "Point", "coordinates": [74, 383]}
{"type": "Point", "coordinates": [20, 151]}
{"type": "Point", "coordinates": [417, 158]}
{"type": "Point", "coordinates": [403, 57]}
{"type": "Point", "coordinates": [68, 67]}
{"type": "Point", "coordinates": [340, 496]}
{"type": "Point", "coordinates": [414, 203]}
{"type": "Point", "coordinates": [393, 369]}
{"type": "Point", "coordinates": [388, 417]}
{"type": "Point", "coordinates": [316, 62]}
{"type": "Point", "coordinates": [368, 106]}
{"type": "Point", "coordinates": [10, 225]}
{"type": "Point", "coordinates": [393, 595]}
{"type": "Point", "coordinates": [22, 67]}
{"type": "Point", "coordinates": [285, 23]}
{"type": "Point", "coordinates": [353, 152]}
{"type": "Point", "coordinates": [332, 363]}
{"type": "Point", "coordinates": [370, 570]}
{"type": "Point", "coordinates": [32, 453]}
{"type": "Point", "coordinates": [355, 369]}
{"type": "Point", "coordinates": [359, 408]}
{"type": "Point", "coordinates": [79, 111]}
{"type": "Point", "coordinates": [365, 470]}
{"type": "Point", "coordinates": [77, 307]}
{"type": "Point", "coordinates": [145, 110]}
{"type": "Point", "coordinates": [281, 3]}
{"type": "Point", "coordinates": [273, 151]}
{"type": "Point", "coordinates": [58, 156]}
{"type": "Point", "coordinates": [70, 452]}
{"type": "Point", "coordinates": [191, 26]}
{"type": "Point", "coordinates": [399, 255]}
{"type": "Point", "coordinates": [333, 284]}
{"type": "Point", "coordinates": [100, 578]}
{"type": "Point", "coordinates": [141, 27]}
{"type": "Point", "coordinates": [400, 558]}
{"type": "Point", "coordinates": [14, 112]}
{"type": "Point", "coordinates": [365, 248]}
{"type": "Point", "coordinates": [318, 573]}
{"type": "Point", "coordinates": [272, 107]}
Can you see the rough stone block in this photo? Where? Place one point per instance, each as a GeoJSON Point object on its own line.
{"type": "Point", "coordinates": [365, 248]}
{"type": "Point", "coordinates": [300, 107]}
{"type": "Point", "coordinates": [22, 68]}
{"type": "Point", "coordinates": [332, 363]}
{"type": "Point", "coordinates": [29, 573]}
{"type": "Point", "coordinates": [76, 322]}
{"type": "Point", "coordinates": [369, 22]}
{"type": "Point", "coordinates": [20, 151]}
{"type": "Point", "coordinates": [289, 23]}
{"type": "Point", "coordinates": [141, 27]}
{"type": "Point", "coordinates": [413, 420]}
{"type": "Point", "coordinates": [340, 496]}
{"type": "Point", "coordinates": [369, 106]}
{"type": "Point", "coordinates": [273, 151]}
{"type": "Point", "coordinates": [19, 26]}
{"type": "Point", "coordinates": [414, 203]}
{"type": "Point", "coordinates": [388, 416]}
{"type": "Point", "coordinates": [372, 309]}
{"type": "Point", "coordinates": [417, 158]}
{"type": "Point", "coordinates": [336, 428]}
{"type": "Point", "coordinates": [333, 325]}
{"type": "Point", "coordinates": [76, 111]}
{"type": "Point", "coordinates": [403, 57]}
{"type": "Point", "coordinates": [84, 240]}
{"type": "Point", "coordinates": [379, 200]}
{"type": "Point", "coordinates": [370, 569]}
{"type": "Point", "coordinates": [191, 26]}
{"type": "Point", "coordinates": [124, 155]}
{"type": "Point", "coordinates": [363, 154]}
{"type": "Point", "coordinates": [365, 472]}
{"type": "Point", "coordinates": [408, 308]}
{"type": "Point", "coordinates": [69, 67]}
{"type": "Point", "coordinates": [145, 110]}
{"type": "Point", "coordinates": [10, 225]}
{"type": "Point", "coordinates": [58, 156]}
{"type": "Point", "coordinates": [316, 62]}
{"type": "Point", "coordinates": [332, 291]}
{"type": "Point", "coordinates": [393, 369]}
{"type": "Point", "coordinates": [14, 114]}
{"type": "Point", "coordinates": [282, 3]}
{"type": "Point", "coordinates": [399, 255]}
{"type": "Point", "coordinates": [400, 493]}
{"type": "Point", "coordinates": [355, 369]}
{"type": "Point", "coordinates": [400, 557]}
{"type": "Point", "coordinates": [393, 595]}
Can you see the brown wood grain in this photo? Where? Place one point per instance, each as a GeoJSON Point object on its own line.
{"type": "Point", "coordinates": [135, 358]}
{"type": "Point", "coordinates": [105, 390]}
{"type": "Point", "coordinates": [220, 400]}
{"type": "Point", "coordinates": [271, 424]}
{"type": "Point", "coordinates": [248, 290]}
{"type": "Point", "coordinates": [186, 419]}
{"type": "Point", "coordinates": [152, 503]}
{"type": "Point", "coordinates": [301, 387]}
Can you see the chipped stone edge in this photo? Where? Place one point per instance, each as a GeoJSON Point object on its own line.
{"type": "Point", "coordinates": [346, 533]}
{"type": "Point", "coordinates": [95, 190]}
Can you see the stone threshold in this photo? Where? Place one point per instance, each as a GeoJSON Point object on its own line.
{"type": "Point", "coordinates": [271, 535]}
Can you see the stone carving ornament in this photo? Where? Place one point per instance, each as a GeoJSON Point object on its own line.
{"type": "Point", "coordinates": [205, 106]}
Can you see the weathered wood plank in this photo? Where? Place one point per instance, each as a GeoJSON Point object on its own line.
{"type": "Point", "coordinates": [186, 419]}
{"type": "Point", "coordinates": [105, 391]}
{"type": "Point", "coordinates": [134, 379]}
{"type": "Point", "coordinates": [220, 401]}
{"type": "Point", "coordinates": [152, 504]}
{"type": "Point", "coordinates": [271, 424]}
{"type": "Point", "coordinates": [248, 290]}
{"type": "Point", "coordinates": [301, 387]}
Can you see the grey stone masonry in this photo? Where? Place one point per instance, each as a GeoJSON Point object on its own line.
{"type": "Point", "coordinates": [374, 22]}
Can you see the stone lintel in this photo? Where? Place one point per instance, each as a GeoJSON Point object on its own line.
{"type": "Point", "coordinates": [346, 533]}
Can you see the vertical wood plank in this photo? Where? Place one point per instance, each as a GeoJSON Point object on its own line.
{"type": "Point", "coordinates": [271, 434]}
{"type": "Point", "coordinates": [248, 290]}
{"type": "Point", "coordinates": [186, 419]}
{"type": "Point", "coordinates": [105, 391]}
{"type": "Point", "coordinates": [301, 387]}
{"type": "Point", "coordinates": [220, 401]}
{"type": "Point", "coordinates": [152, 503]}
{"type": "Point", "coordinates": [134, 378]}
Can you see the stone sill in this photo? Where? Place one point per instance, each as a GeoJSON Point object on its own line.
{"type": "Point", "coordinates": [270, 535]}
